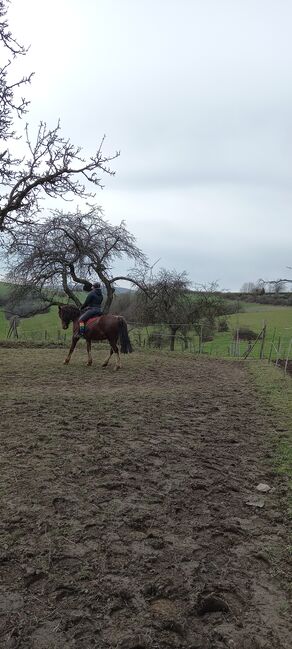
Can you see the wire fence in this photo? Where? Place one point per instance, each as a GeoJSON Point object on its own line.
{"type": "Point", "coordinates": [270, 344]}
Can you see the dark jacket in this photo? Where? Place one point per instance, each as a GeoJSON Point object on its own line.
{"type": "Point", "coordinates": [94, 299]}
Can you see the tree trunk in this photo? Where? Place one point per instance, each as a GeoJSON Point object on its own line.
{"type": "Point", "coordinates": [68, 291]}
{"type": "Point", "coordinates": [173, 331]}
{"type": "Point", "coordinates": [109, 297]}
{"type": "Point", "coordinates": [108, 287]}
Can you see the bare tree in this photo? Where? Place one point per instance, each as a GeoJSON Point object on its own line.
{"type": "Point", "coordinates": [51, 166]}
{"type": "Point", "coordinates": [170, 301]}
{"type": "Point", "coordinates": [71, 249]}
{"type": "Point", "coordinates": [248, 287]}
{"type": "Point", "coordinates": [125, 304]}
{"type": "Point", "coordinates": [278, 286]}
{"type": "Point", "coordinates": [257, 288]}
{"type": "Point", "coordinates": [10, 105]}
{"type": "Point", "coordinates": [167, 301]}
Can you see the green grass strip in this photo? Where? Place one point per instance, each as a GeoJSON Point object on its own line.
{"type": "Point", "coordinates": [275, 391]}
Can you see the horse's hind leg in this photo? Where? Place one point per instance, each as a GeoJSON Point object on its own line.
{"type": "Point", "coordinates": [71, 350]}
{"type": "Point", "coordinates": [88, 345]}
{"type": "Point", "coordinates": [106, 362]}
{"type": "Point", "coordinates": [117, 352]}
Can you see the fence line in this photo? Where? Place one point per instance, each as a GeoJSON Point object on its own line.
{"type": "Point", "coordinates": [192, 341]}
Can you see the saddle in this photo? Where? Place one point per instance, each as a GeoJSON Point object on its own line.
{"type": "Point", "coordinates": [83, 325]}
{"type": "Point", "coordinates": [95, 317]}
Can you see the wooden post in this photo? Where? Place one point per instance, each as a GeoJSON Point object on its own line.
{"type": "Point", "coordinates": [237, 343]}
{"type": "Point", "coordinates": [247, 353]}
{"type": "Point", "coordinates": [263, 340]}
{"type": "Point", "coordinates": [249, 347]}
{"type": "Point", "coordinates": [272, 344]}
{"type": "Point", "coordinates": [201, 340]}
{"type": "Point", "coordinates": [278, 351]}
{"type": "Point", "coordinates": [288, 352]}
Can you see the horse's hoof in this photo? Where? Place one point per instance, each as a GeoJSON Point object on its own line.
{"type": "Point", "coordinates": [66, 362]}
{"type": "Point", "coordinates": [88, 364]}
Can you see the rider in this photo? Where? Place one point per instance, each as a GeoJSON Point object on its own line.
{"type": "Point", "coordinates": [91, 306]}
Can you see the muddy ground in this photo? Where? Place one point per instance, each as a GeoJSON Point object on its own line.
{"type": "Point", "coordinates": [130, 516]}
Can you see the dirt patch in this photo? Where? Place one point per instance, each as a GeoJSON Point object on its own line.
{"type": "Point", "coordinates": [127, 521]}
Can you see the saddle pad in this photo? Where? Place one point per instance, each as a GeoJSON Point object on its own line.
{"type": "Point", "coordinates": [93, 319]}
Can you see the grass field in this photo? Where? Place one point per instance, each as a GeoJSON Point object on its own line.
{"type": "Point", "coordinates": [275, 392]}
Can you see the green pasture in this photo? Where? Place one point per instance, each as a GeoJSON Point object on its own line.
{"type": "Point", "coordinates": [41, 327]}
{"type": "Point", "coordinates": [278, 322]}
{"type": "Point", "coordinates": [275, 391]}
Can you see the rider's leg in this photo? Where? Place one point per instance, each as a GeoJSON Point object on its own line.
{"type": "Point", "coordinates": [82, 321]}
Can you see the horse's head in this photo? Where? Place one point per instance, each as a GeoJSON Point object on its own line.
{"type": "Point", "coordinates": [68, 313]}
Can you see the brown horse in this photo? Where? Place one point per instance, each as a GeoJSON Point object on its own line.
{"type": "Point", "coordinates": [105, 327]}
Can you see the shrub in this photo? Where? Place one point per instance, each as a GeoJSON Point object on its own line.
{"type": "Point", "coordinates": [244, 333]}
{"type": "Point", "coordinates": [223, 325]}
{"type": "Point", "coordinates": [156, 339]}
{"type": "Point", "coordinates": [207, 327]}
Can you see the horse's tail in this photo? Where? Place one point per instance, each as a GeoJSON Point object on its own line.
{"type": "Point", "coordinates": [125, 343]}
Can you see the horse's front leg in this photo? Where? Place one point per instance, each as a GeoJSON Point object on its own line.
{"type": "Point", "coordinates": [88, 345]}
{"type": "Point", "coordinates": [71, 350]}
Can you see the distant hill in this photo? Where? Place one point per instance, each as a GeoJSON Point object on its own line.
{"type": "Point", "coordinates": [121, 289]}
{"type": "Point", "coordinates": [275, 299]}
{"type": "Point", "coordinates": [5, 287]}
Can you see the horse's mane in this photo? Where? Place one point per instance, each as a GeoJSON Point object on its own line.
{"type": "Point", "coordinates": [71, 311]}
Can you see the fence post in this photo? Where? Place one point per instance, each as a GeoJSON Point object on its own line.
{"type": "Point", "coordinates": [247, 353]}
{"type": "Point", "coordinates": [263, 340]}
{"type": "Point", "coordinates": [278, 350]}
{"type": "Point", "coordinates": [237, 343]}
{"type": "Point", "coordinates": [288, 352]}
{"type": "Point", "coordinates": [201, 339]}
{"type": "Point", "coordinates": [272, 344]}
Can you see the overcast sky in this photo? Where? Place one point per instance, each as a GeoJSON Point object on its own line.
{"type": "Point", "coordinates": [197, 96]}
